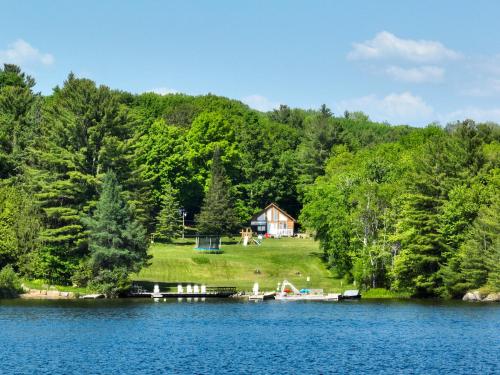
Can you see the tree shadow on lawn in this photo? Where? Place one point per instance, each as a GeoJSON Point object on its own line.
{"type": "Point", "coordinates": [320, 255]}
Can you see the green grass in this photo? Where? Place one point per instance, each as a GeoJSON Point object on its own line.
{"type": "Point", "coordinates": [384, 293]}
{"type": "Point", "coordinates": [275, 260]}
{"type": "Point", "coordinates": [42, 285]}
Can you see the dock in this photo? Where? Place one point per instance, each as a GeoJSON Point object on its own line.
{"type": "Point", "coordinates": [309, 297]}
{"type": "Point", "coordinates": [194, 291]}
{"type": "Point", "coordinates": [262, 296]}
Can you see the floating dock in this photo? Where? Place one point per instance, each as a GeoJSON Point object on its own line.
{"type": "Point", "coordinates": [308, 297]}
{"type": "Point", "coordinates": [194, 291]}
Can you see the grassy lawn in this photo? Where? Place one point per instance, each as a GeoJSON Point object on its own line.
{"type": "Point", "coordinates": [275, 260]}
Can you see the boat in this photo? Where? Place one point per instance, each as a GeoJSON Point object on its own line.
{"type": "Point", "coordinates": [262, 296]}
{"type": "Point", "coordinates": [293, 294]}
{"type": "Point", "coordinates": [351, 294]}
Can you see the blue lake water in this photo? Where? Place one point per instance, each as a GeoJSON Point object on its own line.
{"type": "Point", "coordinates": [231, 337]}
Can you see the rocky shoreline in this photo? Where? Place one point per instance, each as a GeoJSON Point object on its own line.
{"type": "Point", "coordinates": [46, 294]}
{"type": "Point", "coordinates": [477, 296]}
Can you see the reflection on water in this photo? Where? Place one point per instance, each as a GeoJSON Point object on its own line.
{"type": "Point", "coordinates": [226, 336]}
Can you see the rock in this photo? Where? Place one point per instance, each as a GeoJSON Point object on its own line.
{"type": "Point", "coordinates": [471, 297]}
{"type": "Point", "coordinates": [478, 295]}
{"type": "Point", "coordinates": [92, 296]}
{"type": "Point", "coordinates": [492, 297]}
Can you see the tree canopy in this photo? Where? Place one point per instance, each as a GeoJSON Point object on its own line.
{"type": "Point", "coordinates": [392, 206]}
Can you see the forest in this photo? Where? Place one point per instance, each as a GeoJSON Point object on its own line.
{"type": "Point", "coordinates": [89, 175]}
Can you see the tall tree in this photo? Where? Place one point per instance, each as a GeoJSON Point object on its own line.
{"type": "Point", "coordinates": [321, 133]}
{"type": "Point", "coordinates": [424, 248]}
{"type": "Point", "coordinates": [19, 228]}
{"type": "Point", "coordinates": [217, 215]}
{"type": "Point", "coordinates": [17, 119]}
{"type": "Point", "coordinates": [169, 220]}
{"type": "Point", "coordinates": [117, 241]}
{"type": "Point", "coordinates": [84, 132]}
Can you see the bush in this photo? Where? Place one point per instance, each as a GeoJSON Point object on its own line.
{"type": "Point", "coordinates": [201, 260]}
{"type": "Point", "coordinates": [10, 285]}
{"type": "Point", "coordinates": [112, 283]}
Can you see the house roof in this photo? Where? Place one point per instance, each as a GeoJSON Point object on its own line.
{"type": "Point", "coordinates": [275, 206]}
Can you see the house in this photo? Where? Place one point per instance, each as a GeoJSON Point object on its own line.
{"type": "Point", "coordinates": [273, 221]}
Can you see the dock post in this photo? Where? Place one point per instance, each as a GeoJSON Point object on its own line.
{"type": "Point", "coordinates": [180, 290]}
{"type": "Point", "coordinates": [255, 289]}
{"type": "Point", "coordinates": [189, 289]}
{"type": "Point", "coordinates": [196, 289]}
{"type": "Point", "coordinates": [203, 289]}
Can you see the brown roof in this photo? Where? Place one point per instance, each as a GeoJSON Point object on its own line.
{"type": "Point", "coordinates": [275, 206]}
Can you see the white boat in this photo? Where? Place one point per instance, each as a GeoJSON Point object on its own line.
{"type": "Point", "coordinates": [297, 295]}
{"type": "Point", "coordinates": [308, 297]}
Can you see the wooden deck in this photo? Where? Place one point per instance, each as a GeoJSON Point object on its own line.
{"type": "Point", "coordinates": [211, 292]}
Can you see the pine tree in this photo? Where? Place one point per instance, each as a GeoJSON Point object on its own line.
{"type": "Point", "coordinates": [217, 214]}
{"type": "Point", "coordinates": [481, 254]}
{"type": "Point", "coordinates": [423, 248]}
{"type": "Point", "coordinates": [84, 132]}
{"type": "Point", "coordinates": [169, 219]}
{"type": "Point", "coordinates": [117, 242]}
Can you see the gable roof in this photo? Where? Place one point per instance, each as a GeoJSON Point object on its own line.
{"type": "Point", "coordinates": [275, 206]}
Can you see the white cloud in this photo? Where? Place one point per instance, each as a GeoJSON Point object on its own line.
{"type": "Point", "coordinates": [474, 113]}
{"type": "Point", "coordinates": [164, 91]}
{"type": "Point", "coordinates": [386, 46]}
{"type": "Point", "coordinates": [260, 103]}
{"type": "Point", "coordinates": [21, 52]}
{"type": "Point", "coordinates": [403, 108]}
{"type": "Point", "coordinates": [415, 75]}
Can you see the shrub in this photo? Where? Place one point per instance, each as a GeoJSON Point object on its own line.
{"type": "Point", "coordinates": [10, 285]}
{"type": "Point", "coordinates": [201, 260]}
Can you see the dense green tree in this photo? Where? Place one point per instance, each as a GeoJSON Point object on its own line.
{"type": "Point", "coordinates": [169, 220]}
{"type": "Point", "coordinates": [321, 133]}
{"type": "Point", "coordinates": [10, 284]}
{"type": "Point", "coordinates": [217, 215]}
{"type": "Point", "coordinates": [418, 230]}
{"type": "Point", "coordinates": [84, 132]}
{"type": "Point", "coordinates": [18, 119]}
{"type": "Point", "coordinates": [19, 228]}
{"type": "Point", "coordinates": [117, 241]}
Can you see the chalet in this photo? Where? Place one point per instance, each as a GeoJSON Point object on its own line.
{"type": "Point", "coordinates": [273, 221]}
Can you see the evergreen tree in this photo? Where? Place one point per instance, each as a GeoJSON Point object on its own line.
{"type": "Point", "coordinates": [481, 254]}
{"type": "Point", "coordinates": [84, 132]}
{"type": "Point", "coordinates": [17, 119]}
{"type": "Point", "coordinates": [217, 215]}
{"type": "Point", "coordinates": [419, 228]}
{"type": "Point", "coordinates": [169, 219]}
{"type": "Point", "coordinates": [117, 242]}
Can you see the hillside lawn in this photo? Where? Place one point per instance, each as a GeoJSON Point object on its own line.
{"type": "Point", "coordinates": [275, 260]}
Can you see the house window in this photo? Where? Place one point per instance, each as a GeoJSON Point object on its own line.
{"type": "Point", "coordinates": [275, 214]}
{"type": "Point", "coordinates": [261, 228]}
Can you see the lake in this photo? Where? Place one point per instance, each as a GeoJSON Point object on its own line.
{"type": "Point", "coordinates": [232, 337]}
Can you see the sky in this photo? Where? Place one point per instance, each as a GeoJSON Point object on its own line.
{"type": "Point", "coordinates": [405, 62]}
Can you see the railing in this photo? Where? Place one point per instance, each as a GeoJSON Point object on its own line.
{"type": "Point", "coordinates": [285, 232]}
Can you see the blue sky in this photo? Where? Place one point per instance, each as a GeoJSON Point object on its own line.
{"type": "Point", "coordinates": [399, 61]}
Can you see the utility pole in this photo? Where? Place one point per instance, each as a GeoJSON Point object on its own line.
{"type": "Point", "coordinates": [183, 214]}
